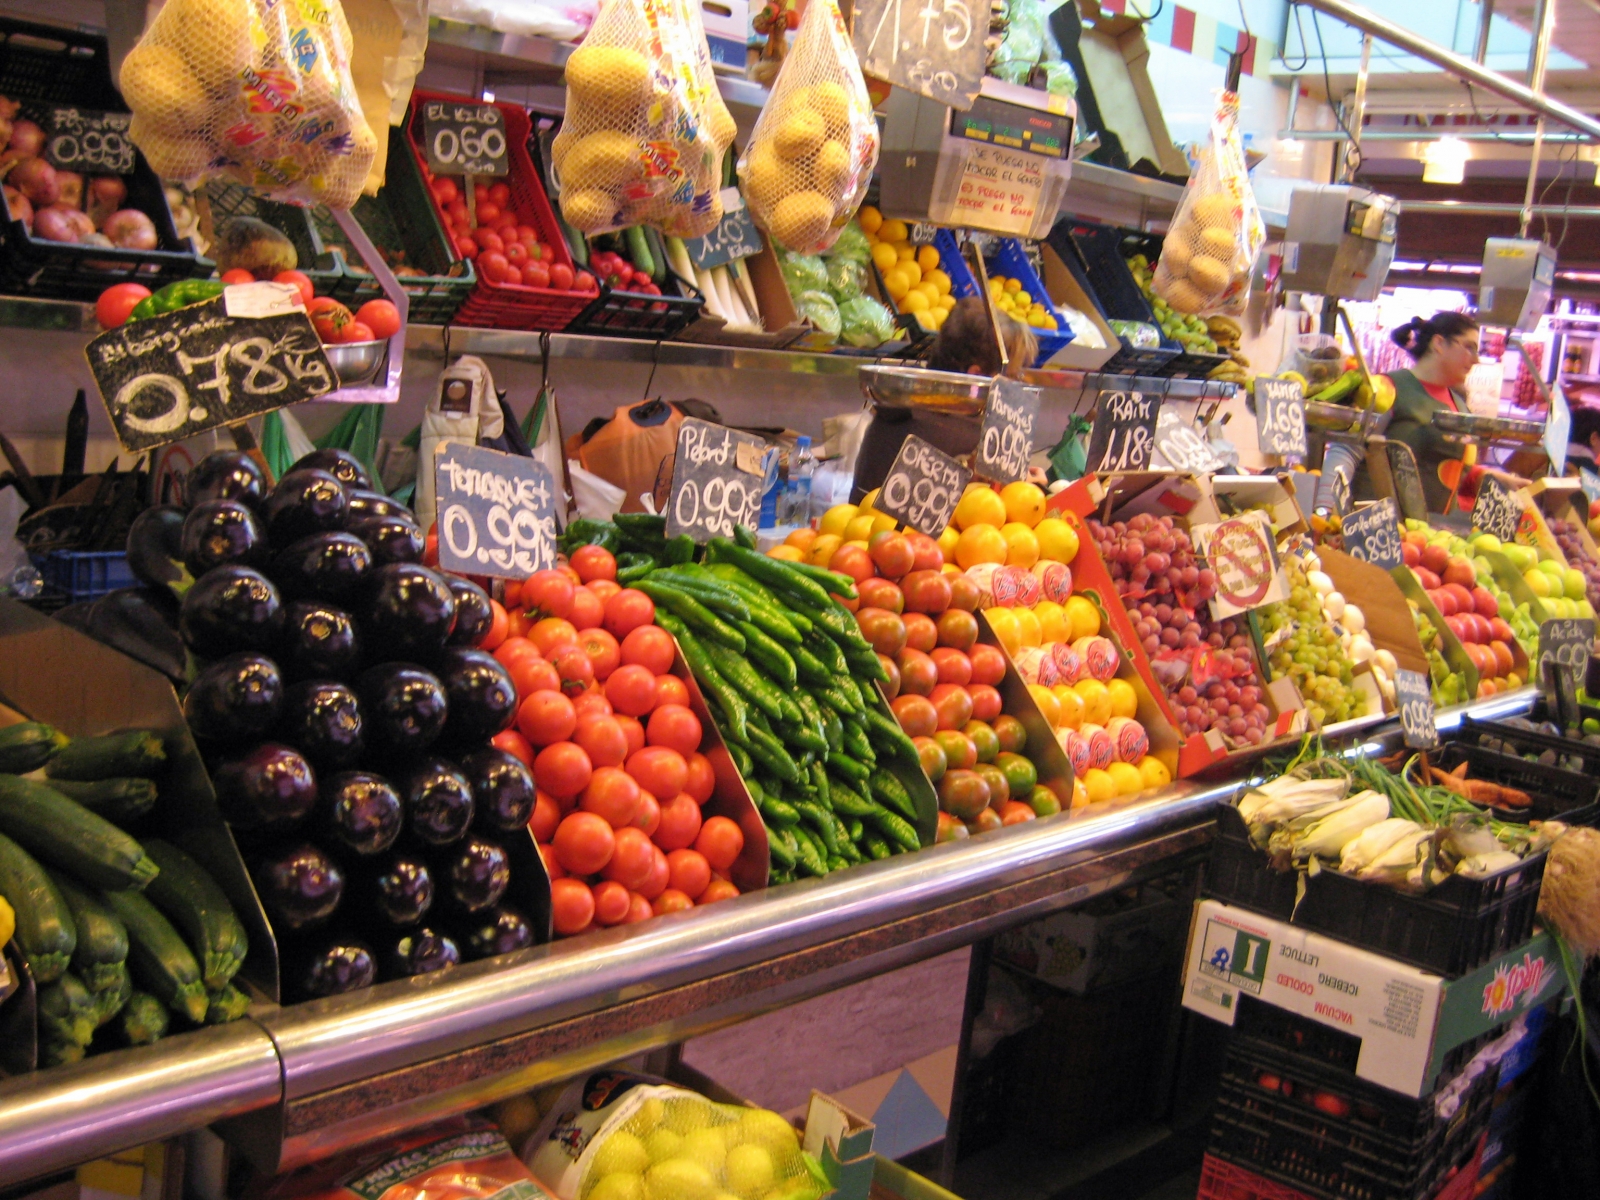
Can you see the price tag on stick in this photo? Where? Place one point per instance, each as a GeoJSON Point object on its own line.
{"type": "Point", "coordinates": [1005, 443]}
{"type": "Point", "coordinates": [1564, 648]}
{"type": "Point", "coordinates": [735, 236]}
{"type": "Point", "coordinates": [1179, 445]}
{"type": "Point", "coordinates": [496, 512]}
{"type": "Point", "coordinates": [1590, 482]}
{"type": "Point", "coordinates": [89, 142]}
{"type": "Point", "coordinates": [931, 47]}
{"type": "Point", "coordinates": [1413, 696]}
{"type": "Point", "coordinates": [1280, 417]}
{"type": "Point", "coordinates": [1497, 509]}
{"type": "Point", "coordinates": [464, 139]}
{"type": "Point", "coordinates": [716, 482]}
{"type": "Point", "coordinates": [923, 487]}
{"type": "Point", "coordinates": [173, 376]}
{"type": "Point", "coordinates": [1123, 436]}
{"type": "Point", "coordinates": [1372, 534]}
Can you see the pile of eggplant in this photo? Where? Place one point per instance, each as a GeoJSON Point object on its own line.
{"type": "Point", "coordinates": [346, 720]}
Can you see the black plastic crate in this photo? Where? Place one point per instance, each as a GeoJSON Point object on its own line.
{"type": "Point", "coordinates": [1093, 253]}
{"type": "Point", "coordinates": [43, 65]}
{"type": "Point", "coordinates": [313, 259]}
{"type": "Point", "coordinates": [635, 315]}
{"type": "Point", "coordinates": [1570, 793]}
{"type": "Point", "coordinates": [1190, 364]}
{"type": "Point", "coordinates": [1240, 874]}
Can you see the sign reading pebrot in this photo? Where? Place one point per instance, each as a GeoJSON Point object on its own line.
{"type": "Point", "coordinates": [923, 487]}
{"type": "Point", "coordinates": [716, 480]}
{"type": "Point", "coordinates": [496, 512]}
{"type": "Point", "coordinates": [1005, 443]}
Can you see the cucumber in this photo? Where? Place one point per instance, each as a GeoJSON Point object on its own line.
{"type": "Point", "coordinates": [108, 1001]}
{"type": "Point", "coordinates": [228, 1004]}
{"type": "Point", "coordinates": [65, 834]}
{"type": "Point", "coordinates": [658, 255]}
{"type": "Point", "coordinates": [135, 752]}
{"type": "Point", "coordinates": [66, 1010]}
{"type": "Point", "coordinates": [102, 940]}
{"type": "Point", "coordinates": [160, 960]}
{"type": "Point", "coordinates": [144, 1020]}
{"type": "Point", "coordinates": [45, 930]}
{"type": "Point", "coordinates": [28, 745]}
{"type": "Point", "coordinates": [194, 902]}
{"type": "Point", "coordinates": [639, 250]}
{"type": "Point", "coordinates": [120, 801]}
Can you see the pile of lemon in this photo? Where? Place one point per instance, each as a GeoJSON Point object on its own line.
{"type": "Point", "coordinates": [1009, 298]}
{"type": "Point", "coordinates": [911, 274]}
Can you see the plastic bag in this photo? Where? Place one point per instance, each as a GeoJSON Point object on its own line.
{"type": "Point", "coordinates": [563, 20]}
{"type": "Point", "coordinates": [646, 128]}
{"type": "Point", "coordinates": [254, 91]}
{"type": "Point", "coordinates": [852, 243]}
{"type": "Point", "coordinates": [1211, 249]}
{"type": "Point", "coordinates": [803, 272]}
{"type": "Point", "coordinates": [810, 157]}
{"type": "Point", "coordinates": [818, 308]}
{"type": "Point", "coordinates": [847, 279]}
{"type": "Point", "coordinates": [865, 323]}
{"type": "Point", "coordinates": [1316, 357]}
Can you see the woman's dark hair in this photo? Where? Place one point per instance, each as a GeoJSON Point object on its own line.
{"type": "Point", "coordinates": [965, 340]}
{"type": "Point", "coordinates": [1416, 336]}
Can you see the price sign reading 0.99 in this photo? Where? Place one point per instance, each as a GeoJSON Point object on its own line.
{"type": "Point", "coordinates": [1567, 643]}
{"type": "Point", "coordinates": [1123, 437]}
{"type": "Point", "coordinates": [1497, 509]}
{"type": "Point", "coordinates": [1005, 443]}
{"type": "Point", "coordinates": [1372, 534]}
{"type": "Point", "coordinates": [923, 487]}
{"type": "Point", "coordinates": [88, 142]}
{"type": "Point", "coordinates": [464, 139]}
{"type": "Point", "coordinates": [1280, 417]}
{"type": "Point", "coordinates": [1413, 696]}
{"type": "Point", "coordinates": [718, 476]}
{"type": "Point", "coordinates": [496, 512]}
{"type": "Point", "coordinates": [1180, 446]}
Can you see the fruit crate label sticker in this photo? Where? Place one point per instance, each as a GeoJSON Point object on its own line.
{"type": "Point", "coordinates": [1372, 534]}
{"type": "Point", "coordinates": [83, 140]}
{"type": "Point", "coordinates": [1565, 644]}
{"type": "Point", "coordinates": [464, 139]}
{"type": "Point", "coordinates": [735, 236]}
{"type": "Point", "coordinates": [923, 487]}
{"type": "Point", "coordinates": [170, 377]}
{"type": "Point", "coordinates": [715, 485]}
{"type": "Point", "coordinates": [1497, 509]}
{"type": "Point", "coordinates": [1280, 417]}
{"type": "Point", "coordinates": [931, 47]}
{"type": "Point", "coordinates": [1123, 436]}
{"type": "Point", "coordinates": [1005, 443]}
{"type": "Point", "coordinates": [1413, 696]}
{"type": "Point", "coordinates": [1590, 482]}
{"type": "Point", "coordinates": [496, 512]}
{"type": "Point", "coordinates": [1242, 553]}
{"type": "Point", "coordinates": [1181, 446]}
{"type": "Point", "coordinates": [1407, 481]}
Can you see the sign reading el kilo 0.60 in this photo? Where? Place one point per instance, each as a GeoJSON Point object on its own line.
{"type": "Point", "coordinates": [1372, 534]}
{"type": "Point", "coordinates": [923, 487]}
{"type": "Point", "coordinates": [1413, 696]}
{"type": "Point", "coordinates": [1123, 436]}
{"type": "Point", "coordinates": [1280, 417]}
{"type": "Point", "coordinates": [464, 138]}
{"type": "Point", "coordinates": [1497, 509]}
{"type": "Point", "coordinates": [1005, 443]}
{"type": "Point", "coordinates": [931, 47]}
{"type": "Point", "coordinates": [718, 475]}
{"type": "Point", "coordinates": [496, 515]}
{"type": "Point", "coordinates": [88, 141]}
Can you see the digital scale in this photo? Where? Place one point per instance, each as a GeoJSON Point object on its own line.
{"type": "Point", "coordinates": [1339, 241]}
{"type": "Point", "coordinates": [1518, 277]}
{"type": "Point", "coordinates": [1002, 166]}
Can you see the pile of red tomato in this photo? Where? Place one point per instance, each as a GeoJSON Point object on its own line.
{"type": "Point", "coordinates": [503, 249]}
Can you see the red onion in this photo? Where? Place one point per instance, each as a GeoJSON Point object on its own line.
{"type": "Point", "coordinates": [107, 193]}
{"type": "Point", "coordinates": [27, 137]}
{"type": "Point", "coordinates": [55, 224]}
{"type": "Point", "coordinates": [36, 179]}
{"type": "Point", "coordinates": [70, 184]}
{"type": "Point", "coordinates": [19, 207]}
{"type": "Point", "coordinates": [130, 229]}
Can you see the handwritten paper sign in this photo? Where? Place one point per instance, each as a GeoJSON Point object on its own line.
{"type": "Point", "coordinates": [1005, 442]}
{"type": "Point", "coordinates": [90, 142]}
{"type": "Point", "coordinates": [1413, 696]}
{"type": "Point", "coordinates": [1123, 436]}
{"type": "Point", "coordinates": [496, 512]}
{"type": "Point", "coordinates": [717, 480]}
{"type": "Point", "coordinates": [464, 138]}
{"type": "Point", "coordinates": [1243, 553]}
{"type": "Point", "coordinates": [931, 47]}
{"type": "Point", "coordinates": [1497, 509]}
{"type": "Point", "coordinates": [1372, 534]}
{"type": "Point", "coordinates": [1280, 417]}
{"type": "Point", "coordinates": [923, 487]}
{"type": "Point", "coordinates": [1000, 190]}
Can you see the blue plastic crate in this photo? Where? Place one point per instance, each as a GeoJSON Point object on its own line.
{"type": "Point", "coordinates": [1009, 260]}
{"type": "Point", "coordinates": [85, 575]}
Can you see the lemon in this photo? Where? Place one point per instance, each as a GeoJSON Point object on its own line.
{"type": "Point", "coordinates": [945, 303]}
{"type": "Point", "coordinates": [1058, 540]}
{"type": "Point", "coordinates": [1004, 623]}
{"type": "Point", "coordinates": [1071, 705]}
{"type": "Point", "coordinates": [1052, 620]}
{"type": "Point", "coordinates": [979, 544]}
{"type": "Point", "coordinates": [871, 220]}
{"type": "Point", "coordinates": [618, 1187]}
{"type": "Point", "coordinates": [621, 1153]}
{"type": "Point", "coordinates": [1049, 706]}
{"type": "Point", "coordinates": [1024, 502]}
{"type": "Point", "coordinates": [1080, 794]}
{"type": "Point", "coordinates": [1027, 626]}
{"type": "Point", "coordinates": [787, 553]}
{"type": "Point", "coordinates": [859, 527]}
{"type": "Point", "coordinates": [1124, 700]}
{"type": "Point", "coordinates": [1013, 285]}
{"type": "Point", "coordinates": [1099, 785]}
{"type": "Point", "coordinates": [1154, 771]}
{"type": "Point", "coordinates": [896, 283]}
{"type": "Point", "coordinates": [1538, 583]}
{"type": "Point", "coordinates": [706, 1147]}
{"type": "Point", "coordinates": [981, 505]}
{"type": "Point", "coordinates": [949, 568]}
{"type": "Point", "coordinates": [748, 1170]}
{"type": "Point", "coordinates": [1096, 700]}
{"type": "Point", "coordinates": [662, 1144]}
{"type": "Point", "coordinates": [883, 523]}
{"type": "Point", "coordinates": [912, 272]}
{"type": "Point", "coordinates": [760, 1127]}
{"type": "Point", "coordinates": [1022, 548]}
{"type": "Point", "coordinates": [930, 290]}
{"type": "Point", "coordinates": [835, 519]}
{"type": "Point", "coordinates": [884, 257]}
{"type": "Point", "coordinates": [822, 549]}
{"type": "Point", "coordinates": [893, 231]}
{"type": "Point", "coordinates": [1127, 778]}
{"type": "Point", "coordinates": [679, 1179]}
{"type": "Point", "coordinates": [1085, 617]}
{"type": "Point", "coordinates": [947, 543]}
{"type": "Point", "coordinates": [914, 302]}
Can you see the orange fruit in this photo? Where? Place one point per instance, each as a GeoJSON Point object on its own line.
{"type": "Point", "coordinates": [980, 506]}
{"type": "Point", "coordinates": [801, 539]}
{"type": "Point", "coordinates": [1053, 625]}
{"type": "Point", "coordinates": [1154, 771]}
{"type": "Point", "coordinates": [980, 543]}
{"type": "Point", "coordinates": [1072, 706]}
{"type": "Point", "coordinates": [1049, 706]}
{"type": "Point", "coordinates": [1024, 502]}
{"type": "Point", "coordinates": [787, 553]}
{"type": "Point", "coordinates": [1058, 541]}
{"type": "Point", "coordinates": [1096, 700]}
{"type": "Point", "coordinates": [1124, 700]}
{"type": "Point", "coordinates": [822, 548]}
{"type": "Point", "coordinates": [1022, 548]}
{"type": "Point", "coordinates": [1004, 623]}
{"type": "Point", "coordinates": [1083, 616]}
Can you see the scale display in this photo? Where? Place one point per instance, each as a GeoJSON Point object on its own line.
{"type": "Point", "coordinates": [1002, 124]}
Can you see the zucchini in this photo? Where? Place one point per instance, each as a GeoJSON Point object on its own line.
{"type": "Point", "coordinates": [108, 1001]}
{"type": "Point", "coordinates": [28, 745]}
{"type": "Point", "coordinates": [135, 752]}
{"type": "Point", "coordinates": [66, 1010]}
{"type": "Point", "coordinates": [102, 941]}
{"type": "Point", "coordinates": [54, 1052]}
{"type": "Point", "coordinates": [144, 1020]}
{"type": "Point", "coordinates": [45, 930]}
{"type": "Point", "coordinates": [120, 801]}
{"type": "Point", "coordinates": [160, 960]}
{"type": "Point", "coordinates": [65, 834]}
{"type": "Point", "coordinates": [194, 902]}
{"type": "Point", "coordinates": [227, 1004]}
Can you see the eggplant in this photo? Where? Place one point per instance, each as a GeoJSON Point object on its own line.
{"type": "Point", "coordinates": [438, 803]}
{"type": "Point", "coordinates": [219, 532]}
{"type": "Point", "coordinates": [391, 539]}
{"type": "Point", "coordinates": [402, 892]}
{"type": "Point", "coordinates": [304, 502]}
{"type": "Point", "coordinates": [299, 887]}
{"type": "Point", "coordinates": [324, 566]}
{"type": "Point", "coordinates": [476, 874]}
{"type": "Point", "coordinates": [341, 965]}
{"type": "Point", "coordinates": [361, 811]}
{"type": "Point", "coordinates": [226, 475]}
{"type": "Point", "coordinates": [230, 609]}
{"type": "Point", "coordinates": [141, 622]}
{"type": "Point", "coordinates": [322, 719]}
{"type": "Point", "coordinates": [235, 699]}
{"type": "Point", "coordinates": [367, 503]}
{"type": "Point", "coordinates": [473, 612]}
{"type": "Point", "coordinates": [419, 951]}
{"type": "Point", "coordinates": [497, 931]}
{"type": "Point", "coordinates": [481, 696]}
{"type": "Point", "coordinates": [409, 611]}
{"type": "Point", "coordinates": [270, 789]}
{"type": "Point", "coordinates": [341, 464]}
{"type": "Point", "coordinates": [405, 706]}
{"type": "Point", "coordinates": [319, 641]}
{"type": "Point", "coordinates": [503, 791]}
{"type": "Point", "coordinates": [155, 547]}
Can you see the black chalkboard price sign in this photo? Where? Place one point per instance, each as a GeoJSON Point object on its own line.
{"type": "Point", "coordinates": [1181, 446]}
{"type": "Point", "coordinates": [496, 512]}
{"type": "Point", "coordinates": [923, 487]}
{"type": "Point", "coordinates": [1280, 417]}
{"type": "Point", "coordinates": [1407, 481]}
{"type": "Point", "coordinates": [173, 376]}
{"type": "Point", "coordinates": [87, 141]}
{"type": "Point", "coordinates": [1497, 509]}
{"type": "Point", "coordinates": [464, 138]}
{"type": "Point", "coordinates": [1005, 442]}
{"type": "Point", "coordinates": [1123, 436]}
{"type": "Point", "coordinates": [1413, 696]}
{"type": "Point", "coordinates": [931, 47]}
{"type": "Point", "coordinates": [735, 236]}
{"type": "Point", "coordinates": [718, 475]}
{"type": "Point", "coordinates": [1590, 482]}
{"type": "Point", "coordinates": [1372, 534]}
{"type": "Point", "coordinates": [1564, 647]}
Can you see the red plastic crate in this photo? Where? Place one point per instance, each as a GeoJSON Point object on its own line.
{"type": "Point", "coordinates": [1221, 1180]}
{"type": "Point", "coordinates": [511, 305]}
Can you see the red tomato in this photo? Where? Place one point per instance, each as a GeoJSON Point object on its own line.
{"type": "Point", "coordinates": [518, 624]}
{"type": "Point", "coordinates": [456, 210]}
{"type": "Point", "coordinates": [953, 705]}
{"type": "Point", "coordinates": [238, 275]}
{"type": "Point", "coordinates": [546, 816]}
{"type": "Point", "coordinates": [721, 841]}
{"type": "Point", "coordinates": [552, 634]}
{"type": "Point", "coordinates": [916, 715]}
{"type": "Point", "coordinates": [988, 664]}
{"type": "Point", "coordinates": [659, 874]}
{"type": "Point", "coordinates": [499, 626]}
{"type": "Point", "coordinates": [488, 213]}
{"type": "Point", "coordinates": [638, 908]}
{"type": "Point", "coordinates": [611, 903]}
{"type": "Point", "coordinates": [563, 770]}
{"type": "Point", "coordinates": [659, 770]}
{"type": "Point", "coordinates": [985, 702]}
{"type": "Point", "coordinates": [300, 280]}
{"type": "Point", "coordinates": [671, 690]}
{"type": "Point", "coordinates": [490, 242]}
{"type": "Point", "coordinates": [575, 667]}
{"type": "Point", "coordinates": [632, 729]}
{"type": "Point", "coordinates": [514, 744]}
{"type": "Point", "coordinates": [648, 815]}
{"type": "Point", "coordinates": [517, 255]}
{"type": "Point", "coordinates": [116, 302]}
{"type": "Point", "coordinates": [355, 331]}
{"type": "Point", "coordinates": [492, 264]}
{"type": "Point", "coordinates": [718, 889]}
{"type": "Point", "coordinates": [584, 284]}
{"type": "Point", "coordinates": [588, 610]}
{"type": "Point", "coordinates": [445, 191]}
{"type": "Point", "coordinates": [513, 275]}
{"type": "Point", "coordinates": [627, 610]}
{"type": "Point", "coordinates": [680, 823]}
{"type": "Point", "coordinates": [1014, 812]}
{"type": "Point", "coordinates": [604, 588]}
{"type": "Point", "coordinates": [688, 871]}
{"type": "Point", "coordinates": [561, 276]}
{"type": "Point", "coordinates": [571, 906]}
{"type": "Point", "coordinates": [546, 716]}
{"type": "Point", "coordinates": [552, 864]}
{"type": "Point", "coordinates": [531, 673]}
{"type": "Point", "coordinates": [466, 247]}
{"type": "Point", "coordinates": [921, 633]}
{"type": "Point", "coordinates": [633, 862]}
{"type": "Point", "coordinates": [670, 901]}
{"type": "Point", "coordinates": [673, 726]}
{"type": "Point", "coordinates": [590, 705]}
{"type": "Point", "coordinates": [548, 593]}
{"type": "Point", "coordinates": [651, 647]}
{"type": "Point", "coordinates": [329, 317]}
{"type": "Point", "coordinates": [613, 794]}
{"type": "Point", "coordinates": [594, 562]}
{"type": "Point", "coordinates": [584, 843]}
{"type": "Point", "coordinates": [381, 317]}
{"type": "Point", "coordinates": [700, 780]}
{"type": "Point", "coordinates": [536, 274]}
{"type": "Point", "coordinates": [602, 740]}
{"type": "Point", "coordinates": [500, 193]}
{"type": "Point", "coordinates": [599, 645]}
{"type": "Point", "coordinates": [954, 666]}
{"type": "Point", "coordinates": [632, 689]}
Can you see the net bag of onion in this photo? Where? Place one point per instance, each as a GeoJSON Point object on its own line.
{"type": "Point", "coordinates": [254, 91]}
{"type": "Point", "coordinates": [812, 152]}
{"type": "Point", "coordinates": [646, 128]}
{"type": "Point", "coordinates": [1211, 247]}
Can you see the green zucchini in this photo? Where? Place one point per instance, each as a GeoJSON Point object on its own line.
{"type": "Point", "coordinates": [45, 930]}
{"type": "Point", "coordinates": [102, 941]}
{"type": "Point", "coordinates": [55, 1052]}
{"type": "Point", "coordinates": [108, 1001]}
{"type": "Point", "coordinates": [194, 902]}
{"type": "Point", "coordinates": [28, 745]}
{"type": "Point", "coordinates": [226, 1004]}
{"type": "Point", "coordinates": [135, 752]}
{"type": "Point", "coordinates": [144, 1020]}
{"type": "Point", "coordinates": [65, 834]}
{"type": "Point", "coordinates": [66, 1010]}
{"type": "Point", "coordinates": [120, 801]}
{"type": "Point", "coordinates": [161, 962]}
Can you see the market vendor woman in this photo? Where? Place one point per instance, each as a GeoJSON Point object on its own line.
{"type": "Point", "coordinates": [1445, 348]}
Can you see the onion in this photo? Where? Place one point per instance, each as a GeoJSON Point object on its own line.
{"type": "Point", "coordinates": [70, 184]}
{"type": "Point", "coordinates": [36, 179]}
{"type": "Point", "coordinates": [55, 224]}
{"type": "Point", "coordinates": [18, 206]}
{"type": "Point", "coordinates": [107, 194]}
{"type": "Point", "coordinates": [27, 137]}
{"type": "Point", "coordinates": [130, 229]}
{"type": "Point", "coordinates": [5, 130]}
{"type": "Point", "coordinates": [80, 220]}
{"type": "Point", "coordinates": [9, 108]}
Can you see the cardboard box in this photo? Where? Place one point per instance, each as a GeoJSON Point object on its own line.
{"type": "Point", "coordinates": [1110, 941]}
{"type": "Point", "coordinates": [781, 325]}
{"type": "Point", "coordinates": [1064, 289]}
{"type": "Point", "coordinates": [1252, 491]}
{"type": "Point", "coordinates": [842, 1142]}
{"type": "Point", "coordinates": [1117, 57]}
{"type": "Point", "coordinates": [727, 25]}
{"type": "Point", "coordinates": [1407, 1019]}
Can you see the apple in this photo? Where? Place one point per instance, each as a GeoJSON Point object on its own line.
{"type": "Point", "coordinates": [1459, 570]}
{"type": "Point", "coordinates": [1462, 597]}
{"type": "Point", "coordinates": [1443, 601]}
{"type": "Point", "coordinates": [1435, 557]}
{"type": "Point", "coordinates": [1500, 631]}
{"type": "Point", "coordinates": [1410, 554]}
{"type": "Point", "coordinates": [1429, 581]}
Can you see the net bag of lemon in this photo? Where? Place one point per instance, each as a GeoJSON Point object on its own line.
{"type": "Point", "coordinates": [1211, 247]}
{"type": "Point", "coordinates": [254, 91]}
{"type": "Point", "coordinates": [645, 129]}
{"type": "Point", "coordinates": [619, 1136]}
{"type": "Point", "coordinates": [810, 157]}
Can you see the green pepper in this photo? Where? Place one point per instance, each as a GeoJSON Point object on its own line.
{"type": "Point", "coordinates": [634, 564]}
{"type": "Point", "coordinates": [179, 294]}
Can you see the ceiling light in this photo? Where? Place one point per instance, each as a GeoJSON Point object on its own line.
{"type": "Point", "coordinates": [1445, 161]}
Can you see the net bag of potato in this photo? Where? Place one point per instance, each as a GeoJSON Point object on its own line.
{"type": "Point", "coordinates": [806, 168]}
{"type": "Point", "coordinates": [254, 91]}
{"type": "Point", "coordinates": [645, 128]}
{"type": "Point", "coordinates": [1217, 232]}
{"type": "Point", "coordinates": [618, 1136]}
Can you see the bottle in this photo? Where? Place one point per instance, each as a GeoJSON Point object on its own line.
{"type": "Point", "coordinates": [794, 508]}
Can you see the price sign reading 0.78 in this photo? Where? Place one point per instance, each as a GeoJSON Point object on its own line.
{"type": "Point", "coordinates": [1123, 437]}
{"type": "Point", "coordinates": [464, 139]}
